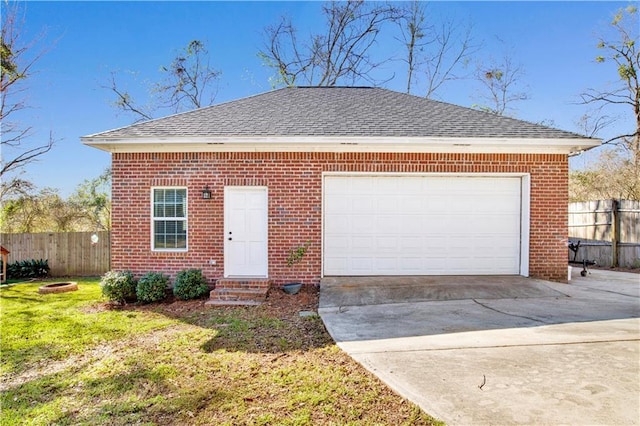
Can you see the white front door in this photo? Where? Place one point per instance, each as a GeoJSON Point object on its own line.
{"type": "Point", "coordinates": [245, 231]}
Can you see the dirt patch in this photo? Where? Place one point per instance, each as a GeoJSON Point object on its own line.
{"type": "Point", "coordinates": [306, 300]}
{"type": "Point", "coordinates": [279, 303]}
{"type": "Point", "coordinates": [49, 367]}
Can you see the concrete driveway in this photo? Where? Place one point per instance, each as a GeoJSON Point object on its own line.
{"type": "Point", "coordinates": [497, 350]}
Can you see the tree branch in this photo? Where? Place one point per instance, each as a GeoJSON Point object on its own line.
{"type": "Point", "coordinates": [340, 53]}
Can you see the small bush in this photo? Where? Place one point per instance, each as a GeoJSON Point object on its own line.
{"type": "Point", "coordinates": [28, 269]}
{"type": "Point", "coordinates": [152, 287]}
{"type": "Point", "coordinates": [119, 286]}
{"type": "Point", "coordinates": [190, 284]}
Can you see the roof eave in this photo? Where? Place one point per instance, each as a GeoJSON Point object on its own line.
{"type": "Point", "coordinates": [568, 146]}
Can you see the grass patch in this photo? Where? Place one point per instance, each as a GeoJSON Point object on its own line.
{"type": "Point", "coordinates": [66, 359]}
{"type": "Point", "coordinates": [38, 327]}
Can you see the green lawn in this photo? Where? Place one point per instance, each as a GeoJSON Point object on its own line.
{"type": "Point", "coordinates": [69, 359]}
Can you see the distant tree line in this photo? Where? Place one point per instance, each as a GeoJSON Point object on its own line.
{"type": "Point", "coordinates": [45, 210]}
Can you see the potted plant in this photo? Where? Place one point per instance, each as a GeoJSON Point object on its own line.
{"type": "Point", "coordinates": [295, 256]}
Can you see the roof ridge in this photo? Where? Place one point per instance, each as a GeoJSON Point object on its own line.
{"type": "Point", "coordinates": [334, 87]}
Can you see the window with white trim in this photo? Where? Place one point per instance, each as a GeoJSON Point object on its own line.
{"type": "Point", "coordinates": [169, 223]}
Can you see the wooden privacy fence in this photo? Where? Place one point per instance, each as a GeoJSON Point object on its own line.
{"type": "Point", "coordinates": [608, 231]}
{"type": "Point", "coordinates": [68, 253]}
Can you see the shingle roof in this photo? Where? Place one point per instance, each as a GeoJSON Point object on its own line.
{"type": "Point", "coordinates": [336, 111]}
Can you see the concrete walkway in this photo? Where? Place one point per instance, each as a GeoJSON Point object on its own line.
{"type": "Point", "coordinates": [497, 350]}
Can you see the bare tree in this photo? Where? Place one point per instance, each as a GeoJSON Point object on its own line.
{"type": "Point", "coordinates": [285, 54]}
{"type": "Point", "coordinates": [125, 102]}
{"type": "Point", "coordinates": [501, 85]}
{"type": "Point", "coordinates": [190, 79]}
{"type": "Point", "coordinates": [342, 53]}
{"type": "Point", "coordinates": [189, 82]}
{"type": "Point", "coordinates": [18, 60]}
{"type": "Point", "coordinates": [621, 48]}
{"type": "Point", "coordinates": [453, 46]}
{"type": "Point", "coordinates": [412, 29]}
{"type": "Point", "coordinates": [438, 51]}
{"type": "Point", "coordinates": [616, 173]}
{"type": "Point", "coordinates": [18, 188]}
{"type": "Point", "coordinates": [592, 122]}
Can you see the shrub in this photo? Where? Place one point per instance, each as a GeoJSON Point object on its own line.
{"type": "Point", "coordinates": [28, 269]}
{"type": "Point", "coordinates": [152, 287]}
{"type": "Point", "coordinates": [190, 284]}
{"type": "Point", "coordinates": [119, 286]}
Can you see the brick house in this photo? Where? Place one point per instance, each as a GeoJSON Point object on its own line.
{"type": "Point", "coordinates": [362, 181]}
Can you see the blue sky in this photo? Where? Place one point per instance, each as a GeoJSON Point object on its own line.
{"type": "Point", "coordinates": [554, 42]}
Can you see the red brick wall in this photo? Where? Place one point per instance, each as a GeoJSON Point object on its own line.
{"type": "Point", "coordinates": [295, 203]}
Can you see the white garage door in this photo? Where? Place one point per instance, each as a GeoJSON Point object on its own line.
{"type": "Point", "coordinates": [422, 225]}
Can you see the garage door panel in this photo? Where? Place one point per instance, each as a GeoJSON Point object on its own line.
{"type": "Point", "coordinates": [335, 225]}
{"type": "Point", "coordinates": [413, 225]}
{"type": "Point", "coordinates": [363, 243]}
{"type": "Point", "coordinates": [361, 224]}
{"type": "Point", "coordinates": [464, 228]}
{"type": "Point", "coordinates": [387, 204]}
{"type": "Point", "coordinates": [459, 243]}
{"type": "Point", "coordinates": [437, 205]}
{"type": "Point", "coordinates": [338, 205]}
{"type": "Point", "coordinates": [387, 225]}
{"type": "Point", "coordinates": [337, 243]}
{"type": "Point", "coordinates": [411, 242]}
{"type": "Point", "coordinates": [412, 203]}
{"type": "Point", "coordinates": [456, 204]}
{"type": "Point", "coordinates": [361, 186]}
{"type": "Point", "coordinates": [434, 225]}
{"type": "Point", "coordinates": [435, 244]}
{"type": "Point", "coordinates": [362, 264]}
{"type": "Point", "coordinates": [362, 204]}
{"type": "Point", "coordinates": [486, 244]}
{"type": "Point", "coordinates": [384, 185]}
{"type": "Point", "coordinates": [413, 264]}
{"type": "Point", "coordinates": [386, 244]}
{"type": "Point", "coordinates": [496, 223]}
{"type": "Point", "coordinates": [383, 265]}
{"type": "Point", "coordinates": [334, 266]}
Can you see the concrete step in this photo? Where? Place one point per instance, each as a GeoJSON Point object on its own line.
{"type": "Point", "coordinates": [211, 302]}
